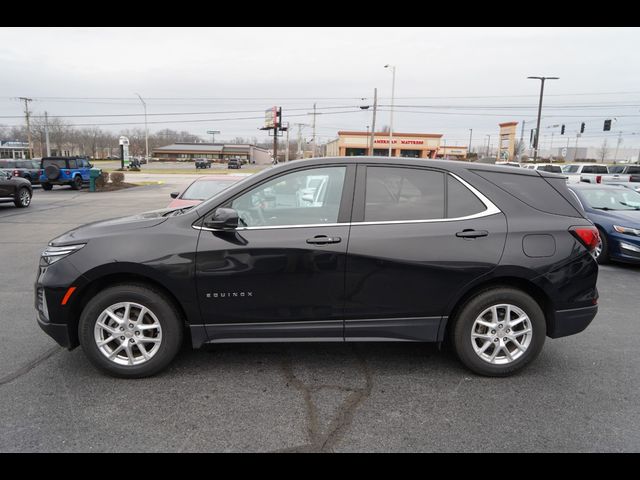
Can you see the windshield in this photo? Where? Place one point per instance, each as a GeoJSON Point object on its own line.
{"type": "Point", "coordinates": [570, 168]}
{"type": "Point", "coordinates": [204, 189]}
{"type": "Point", "coordinates": [605, 199]}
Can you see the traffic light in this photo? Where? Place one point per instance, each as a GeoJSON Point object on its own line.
{"type": "Point", "coordinates": [607, 126]}
{"type": "Point", "coordinates": [562, 130]}
{"type": "Point", "coordinates": [582, 128]}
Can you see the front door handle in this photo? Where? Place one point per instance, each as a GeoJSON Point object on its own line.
{"type": "Point", "coordinates": [323, 240]}
{"type": "Point", "coordinates": [469, 233]}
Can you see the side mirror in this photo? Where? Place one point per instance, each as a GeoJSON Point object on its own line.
{"type": "Point", "coordinates": [223, 219]}
{"type": "Point", "coordinates": [174, 194]}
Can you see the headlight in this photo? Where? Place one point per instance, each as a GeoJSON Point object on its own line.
{"type": "Point", "coordinates": [53, 254]}
{"type": "Point", "coordinates": [627, 230]}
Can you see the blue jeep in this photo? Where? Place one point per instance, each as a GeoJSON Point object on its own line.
{"type": "Point", "coordinates": [73, 171]}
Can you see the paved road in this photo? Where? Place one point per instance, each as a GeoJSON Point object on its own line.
{"type": "Point", "coordinates": [582, 394]}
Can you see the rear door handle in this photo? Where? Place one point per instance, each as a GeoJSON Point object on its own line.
{"type": "Point", "coordinates": [468, 233]}
{"type": "Point", "coordinates": [323, 240]}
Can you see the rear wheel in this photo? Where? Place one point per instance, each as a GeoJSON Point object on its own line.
{"type": "Point", "coordinates": [499, 331]}
{"type": "Point", "coordinates": [130, 331]}
{"type": "Point", "coordinates": [77, 183]}
{"type": "Point", "coordinates": [23, 198]}
{"type": "Point", "coordinates": [46, 186]}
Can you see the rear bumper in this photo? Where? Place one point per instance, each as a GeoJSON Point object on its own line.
{"type": "Point", "coordinates": [570, 322]}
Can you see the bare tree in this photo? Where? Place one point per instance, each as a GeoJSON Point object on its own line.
{"type": "Point", "coordinates": [602, 151]}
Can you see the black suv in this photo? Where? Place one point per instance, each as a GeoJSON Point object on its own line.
{"type": "Point", "coordinates": [492, 258]}
{"type": "Point", "coordinates": [15, 189]}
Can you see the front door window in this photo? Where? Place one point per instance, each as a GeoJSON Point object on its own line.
{"type": "Point", "coordinates": [306, 197]}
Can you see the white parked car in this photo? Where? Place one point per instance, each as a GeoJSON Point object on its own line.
{"type": "Point", "coordinates": [584, 172]}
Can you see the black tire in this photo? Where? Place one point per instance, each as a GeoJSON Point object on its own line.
{"type": "Point", "coordinates": [604, 257]}
{"type": "Point", "coordinates": [52, 172]}
{"type": "Point", "coordinates": [467, 315]}
{"type": "Point", "coordinates": [22, 198]}
{"type": "Point", "coordinates": [76, 184]}
{"type": "Point", "coordinates": [46, 186]}
{"type": "Point", "coordinates": [168, 317]}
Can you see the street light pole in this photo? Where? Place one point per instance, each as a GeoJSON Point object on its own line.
{"type": "Point", "coordinates": [146, 130]}
{"type": "Point", "coordinates": [470, 134]}
{"type": "Point", "coordinates": [393, 89]}
{"type": "Point", "coordinates": [535, 143]}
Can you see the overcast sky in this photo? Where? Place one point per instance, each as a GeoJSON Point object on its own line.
{"type": "Point", "coordinates": [96, 71]}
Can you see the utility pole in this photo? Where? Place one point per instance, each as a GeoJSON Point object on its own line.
{"type": "Point", "coordinates": [299, 153]}
{"type": "Point", "coordinates": [393, 89]}
{"type": "Point", "coordinates": [146, 129]}
{"type": "Point", "coordinates": [488, 143]}
{"type": "Point", "coordinates": [314, 130]}
{"type": "Point", "coordinates": [617, 145]}
{"type": "Point", "coordinates": [46, 133]}
{"type": "Point", "coordinates": [26, 113]}
{"type": "Point", "coordinates": [470, 135]}
{"type": "Point", "coordinates": [535, 146]}
{"type": "Point", "coordinates": [286, 153]}
{"type": "Point", "coordinates": [373, 122]}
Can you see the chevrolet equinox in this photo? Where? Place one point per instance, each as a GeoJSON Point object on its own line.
{"type": "Point", "coordinates": [358, 249]}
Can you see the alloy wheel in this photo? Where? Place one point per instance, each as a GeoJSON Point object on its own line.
{"type": "Point", "coordinates": [25, 198]}
{"type": "Point", "coordinates": [501, 334]}
{"type": "Point", "coordinates": [128, 333]}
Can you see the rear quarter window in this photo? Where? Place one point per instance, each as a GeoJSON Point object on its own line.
{"type": "Point", "coordinates": [536, 191]}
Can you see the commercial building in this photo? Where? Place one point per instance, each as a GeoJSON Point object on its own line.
{"type": "Point", "coordinates": [413, 145]}
{"type": "Point", "coordinates": [213, 151]}
{"type": "Point", "coordinates": [12, 149]}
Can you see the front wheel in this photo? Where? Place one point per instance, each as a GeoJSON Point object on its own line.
{"type": "Point", "coordinates": [499, 331]}
{"type": "Point", "coordinates": [23, 198]}
{"type": "Point", "coordinates": [130, 331]}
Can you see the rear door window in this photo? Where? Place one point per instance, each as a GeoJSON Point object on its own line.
{"type": "Point", "coordinates": [73, 163]}
{"type": "Point", "coordinates": [396, 194]}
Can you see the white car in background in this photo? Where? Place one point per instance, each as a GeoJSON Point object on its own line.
{"type": "Point", "coordinates": [584, 172]}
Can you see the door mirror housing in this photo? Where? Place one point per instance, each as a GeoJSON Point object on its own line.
{"type": "Point", "coordinates": [174, 194]}
{"type": "Point", "coordinates": [223, 219]}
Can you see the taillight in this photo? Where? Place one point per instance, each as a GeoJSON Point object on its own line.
{"type": "Point", "coordinates": [598, 178]}
{"type": "Point", "coordinates": [16, 173]}
{"type": "Point", "coordinates": [67, 172]}
{"type": "Point", "coordinates": [588, 236]}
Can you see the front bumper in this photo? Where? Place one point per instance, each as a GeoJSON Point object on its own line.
{"type": "Point", "coordinates": [572, 321]}
{"type": "Point", "coordinates": [625, 248]}
{"type": "Point", "coordinates": [59, 332]}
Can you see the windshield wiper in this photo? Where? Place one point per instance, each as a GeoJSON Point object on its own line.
{"type": "Point", "coordinates": [178, 211]}
{"type": "Point", "coordinates": [629, 205]}
{"type": "Point", "coordinates": [603, 208]}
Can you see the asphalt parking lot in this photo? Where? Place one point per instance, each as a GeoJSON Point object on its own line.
{"type": "Point", "coordinates": [582, 393]}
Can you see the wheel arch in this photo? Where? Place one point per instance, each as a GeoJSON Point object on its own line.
{"type": "Point", "coordinates": [111, 279]}
{"type": "Point", "coordinates": [523, 284]}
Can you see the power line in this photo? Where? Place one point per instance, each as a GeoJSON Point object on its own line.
{"type": "Point", "coordinates": [194, 121]}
